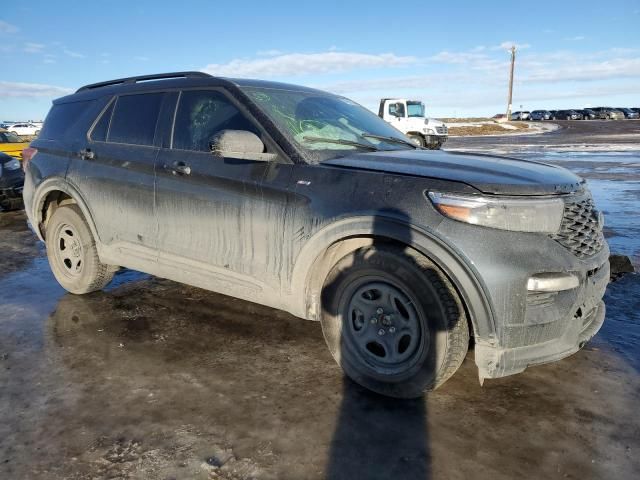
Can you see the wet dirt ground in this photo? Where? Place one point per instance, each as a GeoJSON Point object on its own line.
{"type": "Point", "coordinates": [151, 379]}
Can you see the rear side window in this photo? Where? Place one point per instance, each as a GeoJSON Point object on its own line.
{"type": "Point", "coordinates": [203, 113]}
{"type": "Point", "coordinates": [61, 118]}
{"type": "Point", "coordinates": [134, 119]}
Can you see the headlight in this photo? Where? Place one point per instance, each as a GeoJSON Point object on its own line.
{"type": "Point", "coordinates": [515, 214]}
{"type": "Point", "coordinates": [12, 165]}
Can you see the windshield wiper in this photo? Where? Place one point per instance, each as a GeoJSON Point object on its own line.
{"type": "Point", "coordinates": [390, 139]}
{"type": "Point", "coordinates": [341, 141]}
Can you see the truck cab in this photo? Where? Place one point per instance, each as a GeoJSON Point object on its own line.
{"type": "Point", "coordinates": [409, 117]}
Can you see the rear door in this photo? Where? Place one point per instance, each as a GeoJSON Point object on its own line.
{"type": "Point", "coordinates": [114, 170]}
{"type": "Point", "coordinates": [220, 216]}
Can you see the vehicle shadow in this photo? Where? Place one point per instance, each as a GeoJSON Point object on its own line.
{"type": "Point", "coordinates": [379, 437]}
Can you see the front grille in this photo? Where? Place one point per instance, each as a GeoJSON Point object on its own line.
{"type": "Point", "coordinates": [581, 231]}
{"type": "Point", "coordinates": [441, 130]}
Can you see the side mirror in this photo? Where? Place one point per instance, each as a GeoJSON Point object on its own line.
{"type": "Point", "coordinates": [236, 142]}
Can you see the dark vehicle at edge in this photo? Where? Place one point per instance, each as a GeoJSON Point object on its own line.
{"type": "Point", "coordinates": [307, 202]}
{"type": "Point", "coordinates": [11, 182]}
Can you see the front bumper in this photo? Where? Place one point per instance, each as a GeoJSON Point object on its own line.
{"type": "Point", "coordinates": [557, 324]}
{"type": "Point", "coordinates": [435, 139]}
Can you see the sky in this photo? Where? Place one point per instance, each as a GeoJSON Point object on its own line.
{"type": "Point", "coordinates": [451, 55]}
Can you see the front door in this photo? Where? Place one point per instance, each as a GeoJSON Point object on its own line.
{"type": "Point", "coordinates": [220, 216]}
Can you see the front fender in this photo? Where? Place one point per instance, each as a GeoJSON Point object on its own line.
{"type": "Point", "coordinates": [308, 275]}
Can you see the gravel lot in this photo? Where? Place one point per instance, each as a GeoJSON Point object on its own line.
{"type": "Point", "coordinates": [152, 379]}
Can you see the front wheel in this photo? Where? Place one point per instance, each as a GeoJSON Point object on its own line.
{"type": "Point", "coordinates": [72, 253]}
{"type": "Point", "coordinates": [417, 139]}
{"type": "Point", "coordinates": [393, 321]}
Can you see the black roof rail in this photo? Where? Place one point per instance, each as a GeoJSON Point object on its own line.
{"type": "Point", "coordinates": [143, 78]}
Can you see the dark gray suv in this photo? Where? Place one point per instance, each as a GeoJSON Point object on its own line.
{"type": "Point", "coordinates": [307, 202]}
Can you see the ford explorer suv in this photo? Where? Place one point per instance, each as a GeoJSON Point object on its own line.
{"type": "Point", "coordinates": [307, 202]}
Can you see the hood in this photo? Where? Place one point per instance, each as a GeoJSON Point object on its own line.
{"type": "Point", "coordinates": [487, 173]}
{"type": "Point", "coordinates": [435, 123]}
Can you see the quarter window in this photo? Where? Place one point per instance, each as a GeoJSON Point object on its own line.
{"type": "Point", "coordinates": [203, 113]}
{"type": "Point", "coordinates": [99, 133]}
{"type": "Point", "coordinates": [61, 118]}
{"type": "Point", "coordinates": [134, 119]}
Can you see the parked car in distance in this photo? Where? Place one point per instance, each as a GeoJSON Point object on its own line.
{"type": "Point", "coordinates": [567, 115]}
{"type": "Point", "coordinates": [636, 109]}
{"type": "Point", "coordinates": [608, 113]}
{"type": "Point", "coordinates": [540, 115]}
{"type": "Point", "coordinates": [307, 202]}
{"type": "Point", "coordinates": [520, 115]}
{"type": "Point", "coordinates": [11, 144]}
{"type": "Point", "coordinates": [499, 116]}
{"type": "Point", "coordinates": [588, 114]}
{"type": "Point", "coordinates": [24, 129]}
{"type": "Point", "coordinates": [11, 182]}
{"type": "Point", "coordinates": [629, 113]}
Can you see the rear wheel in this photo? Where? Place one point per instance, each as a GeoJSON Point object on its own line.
{"type": "Point", "coordinates": [393, 321]}
{"type": "Point", "coordinates": [72, 253]}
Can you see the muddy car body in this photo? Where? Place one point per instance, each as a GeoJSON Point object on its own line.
{"type": "Point", "coordinates": [306, 202]}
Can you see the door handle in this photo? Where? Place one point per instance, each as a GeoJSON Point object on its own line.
{"type": "Point", "coordinates": [179, 168]}
{"type": "Point", "coordinates": [86, 154]}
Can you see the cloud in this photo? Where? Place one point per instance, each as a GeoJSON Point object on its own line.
{"type": "Point", "coordinates": [587, 71]}
{"type": "Point", "coordinates": [73, 54]}
{"type": "Point", "coordinates": [508, 44]}
{"type": "Point", "coordinates": [31, 90]}
{"type": "Point", "coordinates": [457, 57]}
{"type": "Point", "coordinates": [31, 47]}
{"type": "Point", "coordinates": [576, 38]}
{"type": "Point", "coordinates": [141, 59]}
{"type": "Point", "coordinates": [6, 27]}
{"type": "Point", "coordinates": [296, 64]}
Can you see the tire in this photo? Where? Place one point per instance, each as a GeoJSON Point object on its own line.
{"type": "Point", "coordinates": [403, 294]}
{"type": "Point", "coordinates": [417, 139]}
{"type": "Point", "coordinates": [72, 253]}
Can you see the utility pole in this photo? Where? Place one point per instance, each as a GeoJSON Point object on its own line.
{"type": "Point", "coordinates": [513, 61]}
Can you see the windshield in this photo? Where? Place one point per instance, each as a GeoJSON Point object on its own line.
{"type": "Point", "coordinates": [306, 118]}
{"type": "Point", "coordinates": [415, 109]}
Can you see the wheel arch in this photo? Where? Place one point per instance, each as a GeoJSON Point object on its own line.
{"type": "Point", "coordinates": [412, 132]}
{"type": "Point", "coordinates": [52, 194]}
{"type": "Point", "coordinates": [335, 241]}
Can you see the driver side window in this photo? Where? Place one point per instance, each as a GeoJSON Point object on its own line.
{"type": "Point", "coordinates": [396, 109]}
{"type": "Point", "coordinates": [201, 115]}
